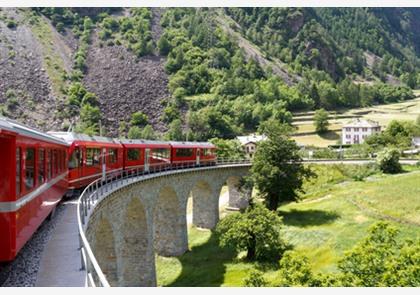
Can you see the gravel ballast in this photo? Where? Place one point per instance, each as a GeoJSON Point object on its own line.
{"type": "Point", "coordinates": [23, 271]}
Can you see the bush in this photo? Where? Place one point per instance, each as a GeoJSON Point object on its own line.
{"type": "Point", "coordinates": [382, 260]}
{"type": "Point", "coordinates": [255, 279]}
{"type": "Point", "coordinates": [295, 270]}
{"type": "Point", "coordinates": [388, 160]}
{"type": "Point", "coordinates": [139, 119]}
{"type": "Point", "coordinates": [11, 23]}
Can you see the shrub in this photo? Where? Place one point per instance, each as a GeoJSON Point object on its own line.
{"type": "Point", "coordinates": [139, 119]}
{"type": "Point", "coordinates": [382, 260]}
{"type": "Point", "coordinates": [295, 270]}
{"type": "Point", "coordinates": [255, 279]}
{"type": "Point", "coordinates": [388, 160]}
{"type": "Point", "coordinates": [11, 23]}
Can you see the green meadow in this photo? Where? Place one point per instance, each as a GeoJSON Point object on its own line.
{"type": "Point", "coordinates": [332, 216]}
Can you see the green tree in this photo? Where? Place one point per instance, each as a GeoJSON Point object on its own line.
{"type": "Point", "coordinates": [148, 133]}
{"type": "Point", "coordinates": [257, 231]}
{"type": "Point", "coordinates": [228, 148]}
{"type": "Point", "coordinates": [321, 121]}
{"type": "Point", "coordinates": [175, 131]}
{"type": "Point", "coordinates": [134, 132]}
{"type": "Point", "coordinates": [277, 169]}
{"type": "Point", "coordinates": [163, 45]}
{"type": "Point", "coordinates": [139, 119]}
{"type": "Point", "coordinates": [89, 120]}
{"type": "Point", "coordinates": [388, 160]}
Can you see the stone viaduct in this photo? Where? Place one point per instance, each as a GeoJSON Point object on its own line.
{"type": "Point", "coordinates": [131, 223]}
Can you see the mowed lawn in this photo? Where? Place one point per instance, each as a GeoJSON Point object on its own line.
{"type": "Point", "coordinates": [321, 227]}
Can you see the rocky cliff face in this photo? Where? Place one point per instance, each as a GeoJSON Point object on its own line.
{"type": "Point", "coordinates": [125, 84]}
{"type": "Point", "coordinates": [35, 60]}
{"type": "Point", "coordinates": [26, 88]}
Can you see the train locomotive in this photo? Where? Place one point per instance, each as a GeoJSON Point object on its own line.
{"type": "Point", "coordinates": [37, 169]}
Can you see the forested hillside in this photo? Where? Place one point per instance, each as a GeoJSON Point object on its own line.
{"type": "Point", "coordinates": [200, 73]}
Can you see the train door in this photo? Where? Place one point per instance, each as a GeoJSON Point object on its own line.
{"type": "Point", "coordinates": [198, 157]}
{"type": "Point", "coordinates": [9, 160]}
{"type": "Point", "coordinates": [146, 159]}
{"type": "Point", "coordinates": [104, 163]}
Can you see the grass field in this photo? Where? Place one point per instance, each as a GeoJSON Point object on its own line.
{"type": "Point", "coordinates": [408, 110]}
{"type": "Point", "coordinates": [322, 226]}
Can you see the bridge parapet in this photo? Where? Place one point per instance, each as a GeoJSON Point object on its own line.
{"type": "Point", "coordinates": [126, 218]}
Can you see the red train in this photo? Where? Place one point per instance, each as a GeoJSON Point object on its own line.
{"type": "Point", "coordinates": [33, 179]}
{"type": "Point", "coordinates": [37, 169]}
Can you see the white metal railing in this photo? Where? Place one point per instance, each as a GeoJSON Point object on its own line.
{"type": "Point", "coordinates": [100, 188]}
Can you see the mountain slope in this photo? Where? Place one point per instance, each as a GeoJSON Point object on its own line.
{"type": "Point", "coordinates": [206, 72]}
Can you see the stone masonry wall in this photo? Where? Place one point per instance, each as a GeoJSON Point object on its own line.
{"type": "Point", "coordinates": [150, 216]}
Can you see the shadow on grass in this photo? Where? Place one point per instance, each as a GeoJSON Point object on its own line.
{"type": "Point", "coordinates": [204, 265]}
{"type": "Point", "coordinates": [307, 217]}
{"type": "Point", "coordinates": [329, 135]}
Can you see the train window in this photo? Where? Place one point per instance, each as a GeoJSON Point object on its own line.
{"type": "Point", "coordinates": [59, 162]}
{"type": "Point", "coordinates": [133, 154]}
{"type": "Point", "coordinates": [93, 157]}
{"type": "Point", "coordinates": [49, 164]}
{"type": "Point", "coordinates": [41, 166]}
{"type": "Point", "coordinates": [160, 153]}
{"type": "Point", "coordinates": [63, 160]}
{"type": "Point", "coordinates": [184, 152]}
{"type": "Point", "coordinates": [75, 158]}
{"type": "Point", "coordinates": [30, 168]}
{"type": "Point", "coordinates": [113, 155]}
{"type": "Point", "coordinates": [18, 171]}
{"type": "Point", "coordinates": [55, 162]}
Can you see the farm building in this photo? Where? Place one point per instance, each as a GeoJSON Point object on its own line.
{"type": "Point", "coordinates": [249, 143]}
{"type": "Point", "coordinates": [356, 131]}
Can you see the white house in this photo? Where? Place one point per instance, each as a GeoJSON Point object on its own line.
{"type": "Point", "coordinates": [356, 131]}
{"type": "Point", "coordinates": [249, 143]}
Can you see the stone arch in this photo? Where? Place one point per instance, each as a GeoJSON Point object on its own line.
{"type": "Point", "coordinates": [169, 222]}
{"type": "Point", "coordinates": [237, 199]}
{"type": "Point", "coordinates": [205, 201]}
{"type": "Point", "coordinates": [138, 262]}
{"type": "Point", "coordinates": [104, 250]}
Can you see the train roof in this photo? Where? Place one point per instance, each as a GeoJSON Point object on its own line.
{"type": "Point", "coordinates": [181, 144]}
{"type": "Point", "coordinates": [16, 127]}
{"type": "Point", "coordinates": [143, 141]}
{"type": "Point", "coordinates": [70, 137]}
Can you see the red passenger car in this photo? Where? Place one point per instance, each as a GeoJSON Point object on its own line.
{"type": "Point", "coordinates": [146, 155]}
{"type": "Point", "coordinates": [91, 157]}
{"type": "Point", "coordinates": [193, 153]}
{"type": "Point", "coordinates": [33, 179]}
